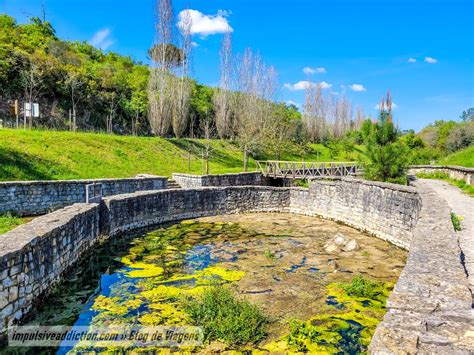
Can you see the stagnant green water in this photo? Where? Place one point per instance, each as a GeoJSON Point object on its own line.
{"type": "Point", "coordinates": [275, 261]}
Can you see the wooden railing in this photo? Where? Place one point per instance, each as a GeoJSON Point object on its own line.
{"type": "Point", "coordinates": [305, 170]}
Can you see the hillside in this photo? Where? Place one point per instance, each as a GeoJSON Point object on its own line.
{"type": "Point", "coordinates": [54, 155]}
{"type": "Point", "coordinates": [464, 157]}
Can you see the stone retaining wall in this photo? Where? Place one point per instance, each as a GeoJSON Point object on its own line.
{"type": "Point", "coordinates": [34, 256]}
{"type": "Point", "coordinates": [240, 179]}
{"type": "Point", "coordinates": [29, 198]}
{"type": "Point", "coordinates": [388, 211]}
{"type": "Point", "coordinates": [454, 172]}
{"type": "Point", "coordinates": [127, 212]}
{"type": "Point", "coordinates": [427, 311]}
{"type": "Point", "coordinates": [430, 310]}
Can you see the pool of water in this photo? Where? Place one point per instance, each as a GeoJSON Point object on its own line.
{"type": "Point", "coordinates": [276, 261]}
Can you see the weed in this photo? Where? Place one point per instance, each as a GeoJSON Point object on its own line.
{"type": "Point", "coordinates": [269, 254]}
{"type": "Point", "coordinates": [361, 287]}
{"type": "Point", "coordinates": [225, 318]}
{"type": "Point", "coordinates": [456, 220]}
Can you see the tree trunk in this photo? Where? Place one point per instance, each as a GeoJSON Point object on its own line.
{"type": "Point", "coordinates": [246, 159]}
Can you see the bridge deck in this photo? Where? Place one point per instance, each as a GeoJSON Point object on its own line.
{"type": "Point", "coordinates": [305, 170]}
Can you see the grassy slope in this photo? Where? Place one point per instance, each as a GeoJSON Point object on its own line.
{"type": "Point", "coordinates": [52, 155]}
{"type": "Point", "coordinates": [463, 157]}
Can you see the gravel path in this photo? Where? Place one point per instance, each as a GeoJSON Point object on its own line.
{"type": "Point", "coordinates": [462, 205]}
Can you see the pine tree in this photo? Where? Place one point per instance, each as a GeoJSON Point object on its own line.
{"type": "Point", "coordinates": [387, 157]}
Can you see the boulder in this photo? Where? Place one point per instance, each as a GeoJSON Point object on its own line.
{"type": "Point", "coordinates": [351, 245]}
{"type": "Point", "coordinates": [340, 239]}
{"type": "Point", "coordinates": [331, 247]}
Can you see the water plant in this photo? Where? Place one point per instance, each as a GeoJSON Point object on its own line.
{"type": "Point", "coordinates": [226, 318]}
{"type": "Point", "coordinates": [362, 287]}
{"type": "Point", "coordinates": [269, 254]}
{"type": "Point", "coordinates": [346, 325]}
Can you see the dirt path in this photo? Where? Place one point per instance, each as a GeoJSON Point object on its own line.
{"type": "Point", "coordinates": [462, 205]}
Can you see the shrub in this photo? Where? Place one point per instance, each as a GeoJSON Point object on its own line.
{"type": "Point", "coordinates": [225, 318]}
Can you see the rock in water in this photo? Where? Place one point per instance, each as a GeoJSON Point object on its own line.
{"type": "Point", "coordinates": [340, 239]}
{"type": "Point", "coordinates": [331, 247]}
{"type": "Point", "coordinates": [332, 266]}
{"type": "Point", "coordinates": [352, 245]}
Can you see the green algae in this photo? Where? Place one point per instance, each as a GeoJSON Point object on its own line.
{"type": "Point", "coordinates": [158, 273]}
{"type": "Point", "coordinates": [339, 329]}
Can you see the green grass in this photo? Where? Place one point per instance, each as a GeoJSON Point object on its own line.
{"type": "Point", "coordinates": [54, 155]}
{"type": "Point", "coordinates": [464, 157]}
{"type": "Point", "coordinates": [227, 319]}
{"type": "Point", "coordinates": [9, 222]}
{"type": "Point", "coordinates": [461, 184]}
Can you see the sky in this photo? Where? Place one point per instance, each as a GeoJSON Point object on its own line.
{"type": "Point", "coordinates": [422, 51]}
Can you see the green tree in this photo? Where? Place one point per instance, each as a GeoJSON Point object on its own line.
{"type": "Point", "coordinates": [468, 115]}
{"type": "Point", "coordinates": [387, 156]}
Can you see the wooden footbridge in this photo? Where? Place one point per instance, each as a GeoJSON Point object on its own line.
{"type": "Point", "coordinates": [305, 170]}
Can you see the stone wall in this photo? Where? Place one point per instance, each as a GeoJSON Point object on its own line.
{"type": "Point", "coordinates": [388, 211]}
{"type": "Point", "coordinates": [29, 198]}
{"type": "Point", "coordinates": [430, 309]}
{"type": "Point", "coordinates": [142, 209]}
{"type": "Point", "coordinates": [240, 179]}
{"type": "Point", "coordinates": [454, 172]}
{"type": "Point", "coordinates": [34, 256]}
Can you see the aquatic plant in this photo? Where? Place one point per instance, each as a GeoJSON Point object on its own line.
{"type": "Point", "coordinates": [226, 318]}
{"type": "Point", "coordinates": [269, 254]}
{"type": "Point", "coordinates": [362, 287]}
{"type": "Point", "coordinates": [346, 325]}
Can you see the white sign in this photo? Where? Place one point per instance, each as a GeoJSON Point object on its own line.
{"type": "Point", "coordinates": [27, 109]}
{"type": "Point", "coordinates": [36, 110]}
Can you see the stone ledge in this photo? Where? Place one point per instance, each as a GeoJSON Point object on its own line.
{"type": "Point", "coordinates": [432, 286]}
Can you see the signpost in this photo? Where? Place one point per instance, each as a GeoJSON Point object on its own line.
{"type": "Point", "coordinates": [30, 110]}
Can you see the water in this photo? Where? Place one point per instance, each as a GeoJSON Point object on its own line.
{"type": "Point", "coordinates": [275, 261]}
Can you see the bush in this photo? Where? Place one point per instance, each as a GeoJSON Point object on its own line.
{"type": "Point", "coordinates": [225, 318]}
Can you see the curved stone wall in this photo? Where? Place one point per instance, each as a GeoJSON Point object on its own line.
{"type": "Point", "coordinates": [432, 281]}
{"type": "Point", "coordinates": [31, 198]}
{"type": "Point", "coordinates": [387, 211]}
{"type": "Point", "coordinates": [454, 172]}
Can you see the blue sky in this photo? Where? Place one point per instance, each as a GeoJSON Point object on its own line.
{"type": "Point", "coordinates": [363, 43]}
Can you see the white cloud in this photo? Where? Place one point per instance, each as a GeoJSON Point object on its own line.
{"type": "Point", "coordinates": [304, 84]}
{"type": "Point", "coordinates": [194, 44]}
{"type": "Point", "coordinates": [289, 102]}
{"type": "Point", "coordinates": [431, 60]}
{"type": "Point", "coordinates": [311, 71]}
{"type": "Point", "coordinates": [358, 87]}
{"type": "Point", "coordinates": [101, 39]}
{"type": "Point", "coordinates": [324, 85]}
{"type": "Point", "coordinates": [394, 106]}
{"type": "Point", "coordinates": [411, 60]}
{"type": "Point", "coordinates": [205, 24]}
